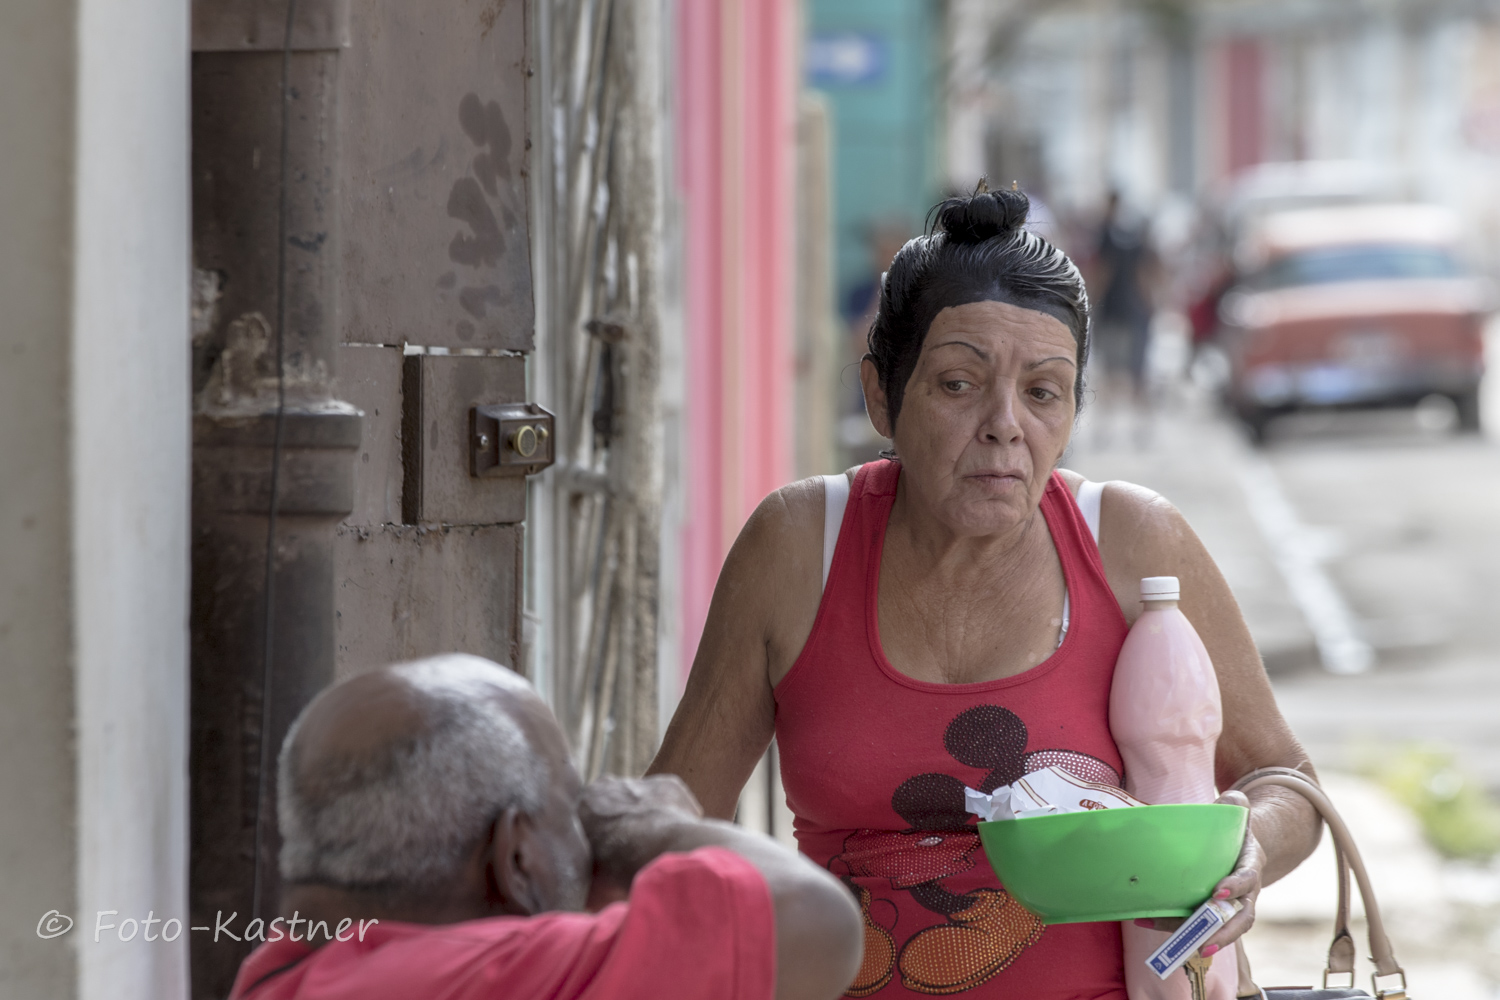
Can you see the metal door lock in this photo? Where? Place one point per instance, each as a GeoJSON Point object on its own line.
{"type": "Point", "coordinates": [509, 439]}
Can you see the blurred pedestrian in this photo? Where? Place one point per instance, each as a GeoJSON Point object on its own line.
{"type": "Point", "coordinates": [437, 842]}
{"type": "Point", "coordinates": [1124, 271]}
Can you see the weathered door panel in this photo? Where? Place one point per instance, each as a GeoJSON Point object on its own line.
{"type": "Point", "coordinates": [450, 578]}
{"type": "Point", "coordinates": [434, 197]}
{"type": "Point", "coordinates": [405, 591]}
{"type": "Point", "coordinates": [435, 253]}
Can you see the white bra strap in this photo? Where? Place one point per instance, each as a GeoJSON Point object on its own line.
{"type": "Point", "coordinates": [835, 499]}
{"type": "Point", "coordinates": [1089, 496]}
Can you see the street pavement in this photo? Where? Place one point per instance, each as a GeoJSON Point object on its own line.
{"type": "Point", "coordinates": [1400, 520]}
{"type": "Point", "coordinates": [1364, 550]}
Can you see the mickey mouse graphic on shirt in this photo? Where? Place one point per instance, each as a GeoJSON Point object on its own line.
{"type": "Point", "coordinates": [985, 929]}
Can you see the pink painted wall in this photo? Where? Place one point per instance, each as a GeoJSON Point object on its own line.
{"type": "Point", "coordinates": [736, 128]}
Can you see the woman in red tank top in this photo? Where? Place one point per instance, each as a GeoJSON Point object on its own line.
{"type": "Point", "coordinates": [891, 821]}
{"type": "Point", "coordinates": [967, 632]}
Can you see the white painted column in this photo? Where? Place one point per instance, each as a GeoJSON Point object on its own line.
{"type": "Point", "coordinates": [94, 464]}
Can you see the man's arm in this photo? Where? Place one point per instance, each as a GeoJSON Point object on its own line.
{"type": "Point", "coordinates": [819, 938]}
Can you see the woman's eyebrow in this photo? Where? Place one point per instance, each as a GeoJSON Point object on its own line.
{"type": "Point", "coordinates": [963, 343]}
{"type": "Point", "coordinates": [1044, 361]}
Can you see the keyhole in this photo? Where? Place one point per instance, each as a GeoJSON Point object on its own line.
{"type": "Point", "coordinates": [524, 441]}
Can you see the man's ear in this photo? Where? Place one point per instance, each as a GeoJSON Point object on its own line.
{"type": "Point", "coordinates": [508, 861]}
{"type": "Point", "coordinates": [876, 404]}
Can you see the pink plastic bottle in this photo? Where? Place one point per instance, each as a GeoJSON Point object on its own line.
{"type": "Point", "coordinates": [1166, 716]}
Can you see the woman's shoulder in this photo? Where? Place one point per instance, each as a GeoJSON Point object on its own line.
{"type": "Point", "coordinates": [773, 574]}
{"type": "Point", "coordinates": [784, 534]}
{"type": "Point", "coordinates": [1129, 510]}
{"type": "Point", "coordinates": [796, 507]}
{"type": "Point", "coordinates": [1142, 534]}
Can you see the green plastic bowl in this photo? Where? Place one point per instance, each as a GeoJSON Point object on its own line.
{"type": "Point", "coordinates": [1116, 864]}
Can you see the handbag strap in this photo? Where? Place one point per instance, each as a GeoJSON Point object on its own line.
{"type": "Point", "coordinates": [1347, 859]}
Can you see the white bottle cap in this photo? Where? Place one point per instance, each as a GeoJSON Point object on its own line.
{"type": "Point", "coordinates": [1160, 588]}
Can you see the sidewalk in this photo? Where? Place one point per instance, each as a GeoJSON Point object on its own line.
{"type": "Point", "coordinates": [1443, 919]}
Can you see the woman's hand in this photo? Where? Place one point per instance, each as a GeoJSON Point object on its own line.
{"type": "Point", "coordinates": [1242, 884]}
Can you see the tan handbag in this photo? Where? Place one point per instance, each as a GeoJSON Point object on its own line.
{"type": "Point", "coordinates": [1341, 952]}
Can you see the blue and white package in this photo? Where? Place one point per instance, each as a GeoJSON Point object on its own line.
{"type": "Point", "coordinates": [1188, 938]}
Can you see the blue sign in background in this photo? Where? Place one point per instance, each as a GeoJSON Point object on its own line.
{"type": "Point", "coordinates": [844, 58]}
{"type": "Point", "coordinates": [880, 64]}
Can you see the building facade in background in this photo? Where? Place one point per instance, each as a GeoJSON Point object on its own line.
{"type": "Point", "coordinates": [1169, 102]}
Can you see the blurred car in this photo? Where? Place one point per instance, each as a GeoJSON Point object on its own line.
{"type": "Point", "coordinates": [1356, 305]}
{"type": "Point", "coordinates": [1262, 190]}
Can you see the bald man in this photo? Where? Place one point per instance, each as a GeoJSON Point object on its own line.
{"type": "Point", "coordinates": [437, 842]}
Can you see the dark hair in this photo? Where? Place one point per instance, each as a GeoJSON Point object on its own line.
{"type": "Point", "coordinates": [976, 250]}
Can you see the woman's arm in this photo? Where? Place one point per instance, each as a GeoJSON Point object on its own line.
{"type": "Point", "coordinates": [1141, 534]}
{"type": "Point", "coordinates": [761, 615]}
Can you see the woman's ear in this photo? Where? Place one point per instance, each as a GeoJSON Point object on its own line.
{"type": "Point", "coordinates": [509, 881]}
{"type": "Point", "coordinates": [876, 404]}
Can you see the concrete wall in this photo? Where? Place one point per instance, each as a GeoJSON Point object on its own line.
{"type": "Point", "coordinates": [94, 414]}
{"type": "Point", "coordinates": [37, 800]}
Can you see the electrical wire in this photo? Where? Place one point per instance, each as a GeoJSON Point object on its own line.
{"type": "Point", "coordinates": [269, 587]}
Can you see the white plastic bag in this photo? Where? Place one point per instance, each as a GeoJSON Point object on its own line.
{"type": "Point", "coordinates": [1043, 793]}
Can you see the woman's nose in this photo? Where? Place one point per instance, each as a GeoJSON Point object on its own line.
{"type": "Point", "coordinates": [1001, 424]}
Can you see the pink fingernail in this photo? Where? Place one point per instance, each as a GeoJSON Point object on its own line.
{"type": "Point", "coordinates": [1222, 894]}
{"type": "Point", "coordinates": [1145, 922]}
{"type": "Point", "coordinates": [1210, 950]}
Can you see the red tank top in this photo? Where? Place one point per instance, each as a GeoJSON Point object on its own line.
{"type": "Point", "coordinates": [874, 764]}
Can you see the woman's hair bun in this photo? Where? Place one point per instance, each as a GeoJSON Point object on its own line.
{"type": "Point", "coordinates": [981, 216]}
